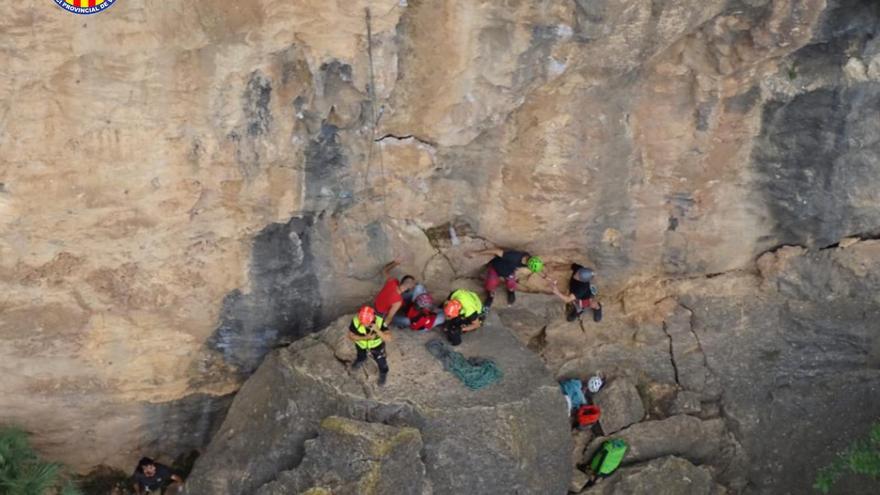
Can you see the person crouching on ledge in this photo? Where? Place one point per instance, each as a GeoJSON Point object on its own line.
{"type": "Point", "coordinates": [464, 313]}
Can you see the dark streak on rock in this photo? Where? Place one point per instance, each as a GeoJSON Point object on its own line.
{"type": "Point", "coordinates": [817, 154]}
{"type": "Point", "coordinates": [257, 96]}
{"type": "Point", "coordinates": [183, 425]}
{"type": "Point", "coordinates": [283, 304]}
{"type": "Point", "coordinates": [743, 102]}
{"type": "Point", "coordinates": [327, 185]}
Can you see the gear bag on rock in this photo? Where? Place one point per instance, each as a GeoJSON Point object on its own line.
{"type": "Point", "coordinates": [609, 457]}
{"type": "Point", "coordinates": [588, 415]}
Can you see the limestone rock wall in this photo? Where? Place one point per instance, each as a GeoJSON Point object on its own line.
{"type": "Point", "coordinates": [185, 187]}
{"type": "Point", "coordinates": [511, 436]}
{"type": "Point", "coordinates": [742, 373]}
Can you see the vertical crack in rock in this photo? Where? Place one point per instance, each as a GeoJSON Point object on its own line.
{"type": "Point", "coordinates": [729, 461]}
{"type": "Point", "coordinates": [671, 353]}
{"type": "Point", "coordinates": [687, 353]}
{"type": "Point", "coordinates": [691, 327]}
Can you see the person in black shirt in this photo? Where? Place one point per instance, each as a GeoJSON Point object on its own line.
{"type": "Point", "coordinates": [504, 265]}
{"type": "Point", "coordinates": [582, 294]}
{"type": "Point", "coordinates": [152, 477]}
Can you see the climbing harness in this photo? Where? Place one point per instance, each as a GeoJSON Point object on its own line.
{"type": "Point", "coordinates": [475, 373]}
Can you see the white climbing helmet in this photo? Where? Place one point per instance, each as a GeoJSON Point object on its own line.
{"type": "Point", "coordinates": [594, 384]}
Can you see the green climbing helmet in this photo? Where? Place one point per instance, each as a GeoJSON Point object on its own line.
{"type": "Point", "coordinates": [535, 264]}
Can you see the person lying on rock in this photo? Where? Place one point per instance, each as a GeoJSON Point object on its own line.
{"type": "Point", "coordinates": [420, 313]}
{"type": "Point", "coordinates": [423, 315]}
{"type": "Point", "coordinates": [582, 294]}
{"type": "Point", "coordinates": [401, 320]}
{"type": "Point", "coordinates": [152, 477]}
{"type": "Point", "coordinates": [464, 313]}
{"type": "Point", "coordinates": [390, 299]}
{"type": "Point", "coordinates": [505, 264]}
{"type": "Point", "coordinates": [366, 333]}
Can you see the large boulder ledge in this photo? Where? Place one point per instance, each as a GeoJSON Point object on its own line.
{"type": "Point", "coordinates": [510, 437]}
{"type": "Point", "coordinates": [664, 476]}
{"type": "Point", "coordinates": [355, 457]}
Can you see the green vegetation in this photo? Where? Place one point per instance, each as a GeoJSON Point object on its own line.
{"type": "Point", "coordinates": [862, 457]}
{"type": "Point", "coordinates": [22, 472]}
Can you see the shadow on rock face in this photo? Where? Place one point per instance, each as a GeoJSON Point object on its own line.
{"type": "Point", "coordinates": [283, 304]}
{"type": "Point", "coordinates": [183, 425]}
{"type": "Point", "coordinates": [812, 175]}
{"type": "Point", "coordinates": [817, 156]}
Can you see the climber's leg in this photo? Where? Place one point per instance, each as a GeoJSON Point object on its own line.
{"type": "Point", "coordinates": [453, 334]}
{"type": "Point", "coordinates": [361, 357]}
{"type": "Point", "coordinates": [378, 354]}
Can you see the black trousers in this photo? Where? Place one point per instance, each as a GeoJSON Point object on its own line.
{"type": "Point", "coordinates": [452, 328]}
{"type": "Point", "coordinates": [378, 354]}
{"type": "Point", "coordinates": [453, 334]}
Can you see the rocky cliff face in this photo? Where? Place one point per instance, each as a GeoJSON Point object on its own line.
{"type": "Point", "coordinates": [510, 437]}
{"type": "Point", "coordinates": [185, 187]}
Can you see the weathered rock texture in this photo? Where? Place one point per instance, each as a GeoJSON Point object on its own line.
{"type": "Point", "coordinates": [738, 367]}
{"type": "Point", "coordinates": [185, 187]}
{"type": "Point", "coordinates": [620, 405]}
{"type": "Point", "coordinates": [355, 457]}
{"type": "Point", "coordinates": [665, 476]}
{"type": "Point", "coordinates": [804, 375]}
{"type": "Point", "coordinates": [511, 437]}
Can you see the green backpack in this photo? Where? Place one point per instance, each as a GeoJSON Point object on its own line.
{"type": "Point", "coordinates": [609, 457]}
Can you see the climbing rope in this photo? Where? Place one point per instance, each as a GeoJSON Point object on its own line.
{"type": "Point", "coordinates": [475, 373]}
{"type": "Point", "coordinates": [373, 119]}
